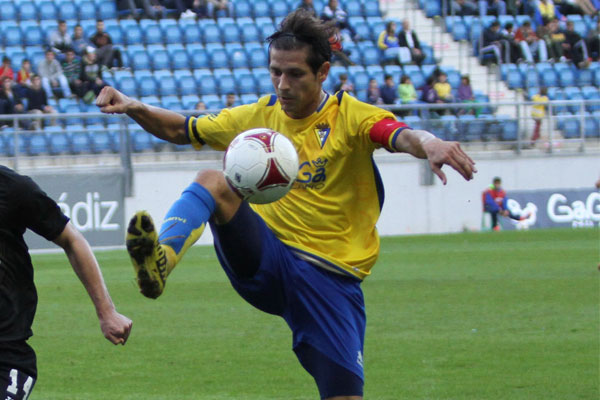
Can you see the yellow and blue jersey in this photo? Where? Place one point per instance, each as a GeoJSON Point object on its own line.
{"type": "Point", "coordinates": [329, 216]}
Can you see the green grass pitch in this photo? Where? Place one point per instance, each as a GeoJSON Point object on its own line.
{"type": "Point", "coordinates": [507, 315]}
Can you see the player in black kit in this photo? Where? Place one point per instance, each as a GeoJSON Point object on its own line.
{"type": "Point", "coordinates": [24, 205]}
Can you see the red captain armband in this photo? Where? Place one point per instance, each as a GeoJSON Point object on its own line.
{"type": "Point", "coordinates": [385, 132]}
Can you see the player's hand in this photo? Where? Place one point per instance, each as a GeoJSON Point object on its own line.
{"type": "Point", "coordinates": [111, 101]}
{"type": "Point", "coordinates": [440, 152]}
{"type": "Point", "coordinates": [116, 327]}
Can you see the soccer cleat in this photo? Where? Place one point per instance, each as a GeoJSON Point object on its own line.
{"type": "Point", "coordinates": [149, 258]}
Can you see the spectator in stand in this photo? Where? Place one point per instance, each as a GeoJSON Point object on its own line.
{"type": "Point", "coordinates": [406, 90]}
{"type": "Point", "coordinates": [79, 42]}
{"type": "Point", "coordinates": [492, 7]}
{"type": "Point", "coordinates": [24, 77]}
{"type": "Point", "coordinates": [152, 8]}
{"type": "Point", "coordinates": [216, 7]}
{"type": "Point", "coordinates": [72, 70]}
{"type": "Point", "coordinates": [11, 99]}
{"type": "Point", "coordinates": [52, 76]}
{"type": "Point", "coordinates": [593, 41]}
{"type": "Point", "coordinates": [464, 7]}
{"type": "Point", "coordinates": [60, 40]}
{"type": "Point", "coordinates": [91, 75]}
{"type": "Point", "coordinates": [406, 93]}
{"type": "Point", "coordinates": [580, 7]}
{"type": "Point", "coordinates": [530, 44]}
{"type": "Point", "coordinates": [6, 70]}
{"type": "Point", "coordinates": [574, 47]}
{"type": "Point", "coordinates": [554, 39]}
{"type": "Point", "coordinates": [492, 41]}
{"type": "Point", "coordinates": [545, 11]}
{"type": "Point", "coordinates": [230, 100]}
{"type": "Point", "coordinates": [332, 12]}
{"type": "Point", "coordinates": [465, 94]}
{"type": "Point", "coordinates": [106, 53]}
{"type": "Point", "coordinates": [344, 84]}
{"type": "Point", "coordinates": [373, 93]}
{"type": "Point", "coordinates": [495, 203]}
{"type": "Point", "coordinates": [512, 50]}
{"type": "Point", "coordinates": [200, 106]}
{"type": "Point", "coordinates": [388, 91]}
{"type": "Point", "coordinates": [444, 90]}
{"type": "Point", "coordinates": [538, 112]}
{"type": "Point", "coordinates": [516, 7]}
{"type": "Point", "coordinates": [408, 38]}
{"type": "Point", "coordinates": [388, 43]}
{"type": "Point", "coordinates": [339, 54]}
{"type": "Point", "coordinates": [308, 6]}
{"type": "Point", "coordinates": [37, 101]}
{"type": "Point", "coordinates": [429, 95]}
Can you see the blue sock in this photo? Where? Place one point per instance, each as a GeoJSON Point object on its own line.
{"type": "Point", "coordinates": [186, 219]}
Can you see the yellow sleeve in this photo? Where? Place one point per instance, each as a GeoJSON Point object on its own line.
{"type": "Point", "coordinates": [381, 41]}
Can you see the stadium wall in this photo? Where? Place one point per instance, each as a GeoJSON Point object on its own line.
{"type": "Point", "coordinates": [411, 205]}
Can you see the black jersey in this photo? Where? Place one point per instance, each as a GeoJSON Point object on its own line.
{"type": "Point", "coordinates": [22, 205]}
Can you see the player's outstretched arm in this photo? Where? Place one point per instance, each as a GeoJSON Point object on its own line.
{"type": "Point", "coordinates": [423, 144]}
{"type": "Point", "coordinates": [162, 123]}
{"type": "Point", "coordinates": [115, 326]}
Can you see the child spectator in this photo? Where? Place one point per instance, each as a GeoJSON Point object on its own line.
{"type": "Point", "coordinates": [106, 53]}
{"type": "Point", "coordinates": [91, 75]}
{"type": "Point", "coordinates": [79, 42]}
{"type": "Point", "coordinates": [465, 95]}
{"type": "Point", "coordinates": [344, 84]}
{"type": "Point", "coordinates": [24, 77]}
{"type": "Point", "coordinates": [406, 92]}
{"type": "Point", "coordinates": [538, 112]}
{"type": "Point", "coordinates": [37, 101]}
{"type": "Point", "coordinates": [6, 70]}
{"type": "Point", "coordinates": [388, 91]}
{"type": "Point", "coordinates": [373, 93]}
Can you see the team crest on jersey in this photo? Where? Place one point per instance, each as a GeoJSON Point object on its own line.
{"type": "Point", "coordinates": [322, 132]}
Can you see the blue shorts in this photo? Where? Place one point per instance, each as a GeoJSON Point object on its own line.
{"type": "Point", "coordinates": [323, 309]}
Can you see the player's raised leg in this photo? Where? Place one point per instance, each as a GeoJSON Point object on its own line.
{"type": "Point", "coordinates": [155, 254]}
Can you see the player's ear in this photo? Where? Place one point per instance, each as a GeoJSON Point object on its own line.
{"type": "Point", "coordinates": [323, 71]}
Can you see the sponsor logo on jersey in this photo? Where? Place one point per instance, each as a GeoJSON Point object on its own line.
{"type": "Point", "coordinates": [312, 174]}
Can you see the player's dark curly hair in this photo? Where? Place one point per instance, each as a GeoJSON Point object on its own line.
{"type": "Point", "coordinates": [300, 29]}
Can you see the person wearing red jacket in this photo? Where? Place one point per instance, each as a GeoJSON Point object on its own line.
{"type": "Point", "coordinates": [494, 202]}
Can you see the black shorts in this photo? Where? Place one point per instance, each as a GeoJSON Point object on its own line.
{"type": "Point", "coordinates": [18, 370]}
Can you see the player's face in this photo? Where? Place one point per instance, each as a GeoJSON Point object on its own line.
{"type": "Point", "coordinates": [297, 87]}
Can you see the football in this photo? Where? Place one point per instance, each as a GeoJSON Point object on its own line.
{"type": "Point", "coordinates": [260, 165]}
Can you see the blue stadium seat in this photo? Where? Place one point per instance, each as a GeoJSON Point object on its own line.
{"type": "Point", "coordinates": [217, 55]}
{"type": "Point", "coordinates": [67, 10]}
{"type": "Point", "coordinates": [80, 139]}
{"type": "Point", "coordinates": [38, 143]}
{"type": "Point", "coordinates": [353, 8]}
{"type": "Point", "coordinates": [101, 138]}
{"type": "Point", "coordinates": [370, 53]}
{"type": "Point", "coordinates": [47, 10]}
{"type": "Point", "coordinates": [574, 93]}
{"type": "Point", "coordinates": [151, 99]}
{"type": "Point", "coordinates": [566, 74]}
{"type": "Point", "coordinates": [27, 10]}
{"type": "Point", "coordinates": [376, 72]}
{"type": "Point", "coordinates": [140, 139]}
{"type": "Point", "coordinates": [261, 8]}
{"type": "Point", "coordinates": [58, 140]}
{"type": "Point", "coordinates": [191, 32]}
{"type": "Point", "coordinates": [115, 32]}
{"type": "Point", "coordinates": [35, 55]}
{"type": "Point", "coordinates": [210, 32]}
{"type": "Point", "coordinates": [591, 93]}
{"type": "Point", "coordinates": [510, 128]}
{"type": "Point", "coordinates": [206, 82]}
{"type": "Point", "coordinates": [16, 55]}
{"type": "Point", "coordinates": [167, 86]}
{"type": "Point", "coordinates": [266, 27]}
{"type": "Point", "coordinates": [279, 9]}
{"type": "Point", "coordinates": [171, 103]}
{"type": "Point", "coordinates": [248, 98]}
{"type": "Point", "coordinates": [107, 10]}
{"type": "Point", "coordinates": [152, 34]}
{"type": "Point", "coordinates": [198, 56]}
{"type": "Point", "coordinates": [32, 35]}
{"type": "Point", "coordinates": [263, 80]}
{"type": "Point", "coordinates": [596, 74]}
{"type": "Point", "coordinates": [371, 8]}
{"type": "Point", "coordinates": [459, 30]}
{"type": "Point", "coordinates": [415, 74]}
{"type": "Point", "coordinates": [172, 34]}
{"type": "Point", "coordinates": [133, 34]}
{"type": "Point", "coordinates": [395, 71]}
{"type": "Point", "coordinates": [159, 57]}
{"type": "Point", "coordinates": [139, 59]}
{"type": "Point", "coordinates": [237, 56]}
{"type": "Point", "coordinates": [127, 85]}
{"type": "Point", "coordinates": [244, 80]}
{"type": "Point", "coordinates": [584, 77]}
{"type": "Point", "coordinates": [257, 56]}
{"type": "Point", "coordinates": [225, 81]}
{"type": "Point", "coordinates": [212, 101]}
{"type": "Point", "coordinates": [146, 83]}
{"type": "Point", "coordinates": [514, 79]}
{"type": "Point", "coordinates": [87, 10]}
{"type": "Point", "coordinates": [242, 9]}
{"type": "Point", "coordinates": [249, 32]}
{"type": "Point", "coordinates": [358, 76]}
{"type": "Point", "coordinates": [230, 32]}
{"type": "Point", "coordinates": [8, 11]}
{"type": "Point", "coordinates": [12, 36]}
{"type": "Point", "coordinates": [186, 83]}
{"type": "Point", "coordinates": [568, 124]}
{"type": "Point", "coordinates": [179, 57]}
{"type": "Point", "coordinates": [189, 101]}
{"type": "Point", "coordinates": [377, 25]}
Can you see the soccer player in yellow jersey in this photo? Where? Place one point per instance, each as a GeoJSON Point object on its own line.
{"type": "Point", "coordinates": [302, 257]}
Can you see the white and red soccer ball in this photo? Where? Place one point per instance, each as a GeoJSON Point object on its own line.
{"type": "Point", "coordinates": [261, 165]}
